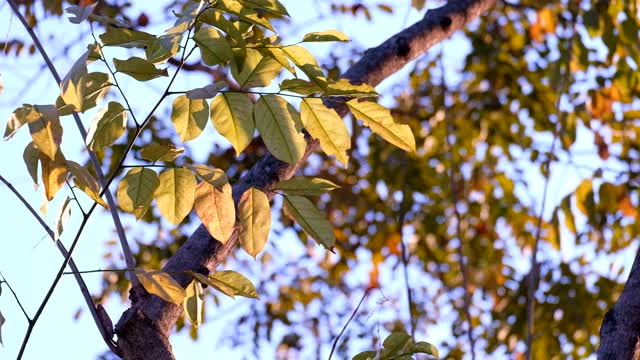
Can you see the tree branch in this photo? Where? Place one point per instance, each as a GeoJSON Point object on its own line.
{"type": "Point", "coordinates": [143, 330]}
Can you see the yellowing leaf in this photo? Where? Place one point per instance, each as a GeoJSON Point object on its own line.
{"type": "Point", "coordinates": [136, 189]}
{"type": "Point", "coordinates": [159, 152]}
{"type": "Point", "coordinates": [249, 15]}
{"type": "Point", "coordinates": [189, 117]}
{"type": "Point", "coordinates": [19, 117]}
{"type": "Point", "coordinates": [215, 177]}
{"type": "Point", "coordinates": [584, 196]}
{"type": "Point", "coordinates": [81, 91]}
{"type": "Point", "coordinates": [216, 209]}
{"type": "Point", "coordinates": [380, 121]}
{"type": "Point", "coordinates": [304, 60]}
{"type": "Point", "coordinates": [126, 38]}
{"type": "Point", "coordinates": [176, 194]}
{"type": "Point", "coordinates": [329, 35]}
{"type": "Point", "coordinates": [232, 283]}
{"type": "Point", "coordinates": [273, 6]}
{"type": "Point", "coordinates": [162, 285]}
{"type": "Point", "coordinates": [46, 130]}
{"type": "Point", "coordinates": [300, 86]}
{"type": "Point", "coordinates": [139, 68]}
{"type": "Point", "coordinates": [54, 174]}
{"type": "Point", "coordinates": [326, 126]}
{"type": "Point", "coordinates": [279, 125]}
{"type": "Point", "coordinates": [231, 114]}
{"type": "Point", "coordinates": [257, 70]}
{"type": "Point", "coordinates": [214, 48]}
{"type": "Point", "coordinates": [278, 55]}
{"type": "Point", "coordinates": [61, 219]}
{"type": "Point", "coordinates": [301, 185]}
{"type": "Point", "coordinates": [342, 87]}
{"type": "Point", "coordinates": [31, 157]}
{"type": "Point", "coordinates": [194, 303]}
{"type": "Point", "coordinates": [312, 221]}
{"type": "Point", "coordinates": [255, 220]}
{"type": "Point", "coordinates": [107, 126]}
{"type": "Point", "coordinates": [163, 48]}
{"type": "Point", "coordinates": [84, 181]}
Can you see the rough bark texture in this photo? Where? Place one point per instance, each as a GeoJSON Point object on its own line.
{"type": "Point", "coordinates": [620, 329]}
{"type": "Point", "coordinates": [143, 330]}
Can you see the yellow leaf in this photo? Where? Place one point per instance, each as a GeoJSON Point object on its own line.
{"type": "Point", "coordinates": [84, 181]}
{"type": "Point", "coordinates": [46, 130]}
{"type": "Point", "coordinates": [232, 116]}
{"type": "Point", "coordinates": [175, 194]}
{"type": "Point", "coordinates": [301, 185]}
{"type": "Point", "coordinates": [54, 174]}
{"type": "Point", "coordinates": [256, 71]}
{"type": "Point", "coordinates": [136, 189]}
{"type": "Point", "coordinates": [216, 209]}
{"type": "Point", "coordinates": [280, 126]}
{"type": "Point", "coordinates": [255, 220]}
{"type": "Point", "coordinates": [189, 117]}
{"type": "Point", "coordinates": [380, 121]}
{"type": "Point", "coordinates": [107, 126]}
{"type": "Point", "coordinates": [326, 126]}
{"type": "Point", "coordinates": [162, 285]}
{"type": "Point", "coordinates": [193, 303]}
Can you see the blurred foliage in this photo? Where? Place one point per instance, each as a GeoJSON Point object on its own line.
{"type": "Point", "coordinates": [484, 129]}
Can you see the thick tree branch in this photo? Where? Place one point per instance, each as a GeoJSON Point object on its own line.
{"type": "Point", "coordinates": [144, 329]}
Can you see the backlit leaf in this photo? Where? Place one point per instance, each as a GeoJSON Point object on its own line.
{"type": "Point", "coordinates": [206, 92]}
{"type": "Point", "coordinates": [31, 157]}
{"type": "Point", "coordinates": [304, 60]}
{"type": "Point", "coordinates": [216, 209]}
{"type": "Point", "coordinates": [215, 177]}
{"type": "Point", "coordinates": [256, 71]}
{"type": "Point", "coordinates": [214, 48]}
{"type": "Point", "coordinates": [80, 13]}
{"type": "Point", "coordinates": [249, 15]}
{"type": "Point", "coordinates": [326, 126]}
{"type": "Point", "coordinates": [162, 285]}
{"type": "Point", "coordinates": [329, 35]}
{"type": "Point", "coordinates": [46, 130]}
{"type": "Point", "coordinates": [301, 185]}
{"type": "Point", "coordinates": [310, 219]}
{"type": "Point", "coordinates": [139, 69]}
{"type": "Point", "coordinates": [80, 92]}
{"type": "Point", "coordinates": [86, 182]}
{"type": "Point", "coordinates": [380, 121]}
{"type": "Point", "coordinates": [233, 283]}
{"type": "Point", "coordinates": [272, 5]}
{"type": "Point", "coordinates": [189, 117]}
{"type": "Point", "coordinates": [107, 126]}
{"type": "Point", "coordinates": [61, 219]}
{"type": "Point", "coordinates": [54, 174]}
{"type": "Point", "coordinates": [175, 194]}
{"type": "Point", "coordinates": [255, 220]}
{"type": "Point", "coordinates": [160, 152]}
{"type": "Point", "coordinates": [136, 189]}
{"type": "Point", "coordinates": [280, 126]}
{"type": "Point", "coordinates": [193, 303]}
{"type": "Point", "coordinates": [231, 114]}
{"type": "Point", "coordinates": [126, 38]}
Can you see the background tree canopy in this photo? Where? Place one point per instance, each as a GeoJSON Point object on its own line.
{"type": "Point", "coordinates": [526, 156]}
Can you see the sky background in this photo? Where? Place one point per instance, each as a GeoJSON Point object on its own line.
{"type": "Point", "coordinates": [28, 258]}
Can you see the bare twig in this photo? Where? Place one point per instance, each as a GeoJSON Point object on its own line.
{"type": "Point", "coordinates": [3, 280]}
{"type": "Point", "coordinates": [344, 328]}
{"type": "Point", "coordinates": [405, 263]}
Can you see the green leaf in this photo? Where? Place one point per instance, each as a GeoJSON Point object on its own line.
{"type": "Point", "coordinates": [215, 177]}
{"type": "Point", "coordinates": [160, 152]}
{"type": "Point", "coordinates": [126, 38]}
{"type": "Point", "coordinates": [278, 55]}
{"type": "Point", "coordinates": [231, 114]}
{"type": "Point", "coordinates": [395, 344]}
{"type": "Point", "coordinates": [139, 69]}
{"type": "Point", "coordinates": [86, 182]}
{"type": "Point", "coordinates": [176, 194]}
{"type": "Point", "coordinates": [312, 220]}
{"type": "Point", "coordinates": [107, 126]}
{"type": "Point", "coordinates": [189, 117]}
{"type": "Point", "coordinates": [214, 48]}
{"type": "Point", "coordinates": [327, 127]}
{"type": "Point", "coordinates": [136, 189]}
{"type": "Point", "coordinates": [194, 303]}
{"type": "Point", "coordinates": [300, 86]}
{"type": "Point", "coordinates": [365, 355]}
{"type": "Point", "coordinates": [425, 348]}
{"type": "Point", "coordinates": [31, 157]}
{"type": "Point", "coordinates": [273, 6]}
{"type": "Point", "coordinates": [163, 48]}
{"type": "Point", "coordinates": [254, 214]}
{"type": "Point", "coordinates": [301, 185]}
{"type": "Point", "coordinates": [233, 283]}
{"type": "Point", "coordinates": [329, 35]}
{"type": "Point", "coordinates": [380, 121]}
{"type": "Point", "coordinates": [280, 127]}
{"type": "Point", "coordinates": [206, 92]}
{"type": "Point", "coordinates": [61, 219]}
{"type": "Point", "coordinates": [216, 209]}
{"type": "Point", "coordinates": [306, 62]}
{"type": "Point", "coordinates": [248, 15]}
{"type": "Point", "coordinates": [80, 13]}
{"type": "Point", "coordinates": [215, 17]}
{"type": "Point", "coordinates": [80, 92]}
{"type": "Point", "coordinates": [256, 71]}
{"type": "Point", "coordinates": [46, 130]}
{"type": "Point", "coordinates": [162, 285]}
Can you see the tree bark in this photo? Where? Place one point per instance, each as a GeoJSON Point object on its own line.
{"type": "Point", "coordinates": [620, 329]}
{"type": "Point", "coordinates": [143, 330]}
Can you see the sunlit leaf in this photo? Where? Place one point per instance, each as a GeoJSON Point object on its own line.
{"type": "Point", "coordinates": [233, 283]}
{"type": "Point", "coordinates": [80, 92]}
{"type": "Point", "coordinates": [86, 182]}
{"type": "Point", "coordinates": [251, 16]}
{"type": "Point", "coordinates": [20, 116]}
{"type": "Point", "coordinates": [136, 189]}
{"type": "Point", "coordinates": [326, 126]}
{"type": "Point", "coordinates": [206, 92]}
{"type": "Point", "coordinates": [257, 70]}
{"type": "Point", "coordinates": [329, 35]}
{"type": "Point", "coordinates": [280, 126]}
{"type": "Point", "coordinates": [54, 174]}
{"type": "Point", "coordinates": [108, 125]}
{"type": "Point", "coordinates": [189, 117]}
{"type": "Point", "coordinates": [139, 69]}
{"type": "Point", "coordinates": [254, 214]}
{"type": "Point", "coordinates": [380, 121]}
{"type": "Point", "coordinates": [162, 285]}
{"type": "Point", "coordinates": [272, 5]}
{"type": "Point", "coordinates": [310, 219]}
{"type": "Point", "coordinates": [80, 13]}
{"type": "Point", "coordinates": [216, 210]}
{"type": "Point", "coordinates": [61, 219]}
{"type": "Point", "coordinates": [232, 116]}
{"type": "Point", "coordinates": [175, 194]}
{"type": "Point", "coordinates": [46, 130]}
{"type": "Point", "coordinates": [160, 152]}
{"type": "Point", "coordinates": [31, 157]}
{"type": "Point", "coordinates": [301, 185]}
{"type": "Point", "coordinates": [304, 60]}
{"type": "Point", "coordinates": [214, 48]}
{"type": "Point", "coordinates": [193, 303]}
{"type": "Point", "coordinates": [126, 38]}
{"type": "Point", "coordinates": [215, 177]}
{"type": "Point", "coordinates": [163, 48]}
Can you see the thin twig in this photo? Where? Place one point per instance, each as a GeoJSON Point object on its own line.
{"type": "Point", "coordinates": [455, 192]}
{"type": "Point", "coordinates": [344, 328]}
{"type": "Point", "coordinates": [547, 167]}
{"type": "Point", "coordinates": [128, 255]}
{"type": "Point", "coordinates": [3, 280]}
{"type": "Point", "coordinates": [405, 263]}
